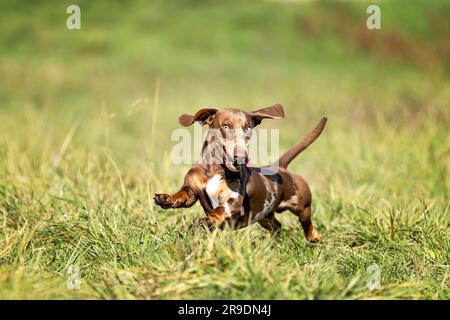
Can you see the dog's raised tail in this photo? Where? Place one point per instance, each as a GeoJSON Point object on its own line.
{"type": "Point", "coordinates": [295, 150]}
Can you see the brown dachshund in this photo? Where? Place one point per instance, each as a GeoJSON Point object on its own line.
{"type": "Point", "coordinates": [233, 193]}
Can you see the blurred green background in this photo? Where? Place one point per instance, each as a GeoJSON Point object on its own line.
{"type": "Point", "coordinates": [87, 115]}
{"type": "Point", "coordinates": [314, 57]}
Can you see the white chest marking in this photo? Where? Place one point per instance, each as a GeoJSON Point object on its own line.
{"type": "Point", "coordinates": [212, 189]}
{"type": "Point", "coordinates": [219, 193]}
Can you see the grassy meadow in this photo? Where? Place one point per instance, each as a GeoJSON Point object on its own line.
{"type": "Point", "coordinates": [85, 123]}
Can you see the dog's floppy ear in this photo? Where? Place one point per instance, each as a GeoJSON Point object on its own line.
{"type": "Point", "coordinates": [273, 112]}
{"type": "Point", "coordinates": [203, 116]}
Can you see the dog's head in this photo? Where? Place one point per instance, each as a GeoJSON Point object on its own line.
{"type": "Point", "coordinates": [229, 132]}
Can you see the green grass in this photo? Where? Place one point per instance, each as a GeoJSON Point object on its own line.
{"type": "Point", "coordinates": [85, 143]}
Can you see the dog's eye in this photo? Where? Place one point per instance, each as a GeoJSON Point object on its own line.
{"type": "Point", "coordinates": [225, 127]}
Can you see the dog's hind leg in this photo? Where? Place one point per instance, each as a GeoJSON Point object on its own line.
{"type": "Point", "coordinates": [270, 223]}
{"type": "Point", "coordinates": [304, 216]}
{"type": "Point", "coordinates": [300, 205]}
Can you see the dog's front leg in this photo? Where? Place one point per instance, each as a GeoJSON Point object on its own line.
{"type": "Point", "coordinates": [184, 198]}
{"type": "Point", "coordinates": [187, 195]}
{"type": "Point", "coordinates": [222, 214]}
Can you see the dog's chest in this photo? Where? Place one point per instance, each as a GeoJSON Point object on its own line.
{"type": "Point", "coordinates": [219, 191]}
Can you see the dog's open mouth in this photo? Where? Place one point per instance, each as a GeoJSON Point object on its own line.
{"type": "Point", "coordinates": [234, 160]}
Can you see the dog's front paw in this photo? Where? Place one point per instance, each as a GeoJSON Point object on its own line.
{"type": "Point", "coordinates": [163, 200]}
